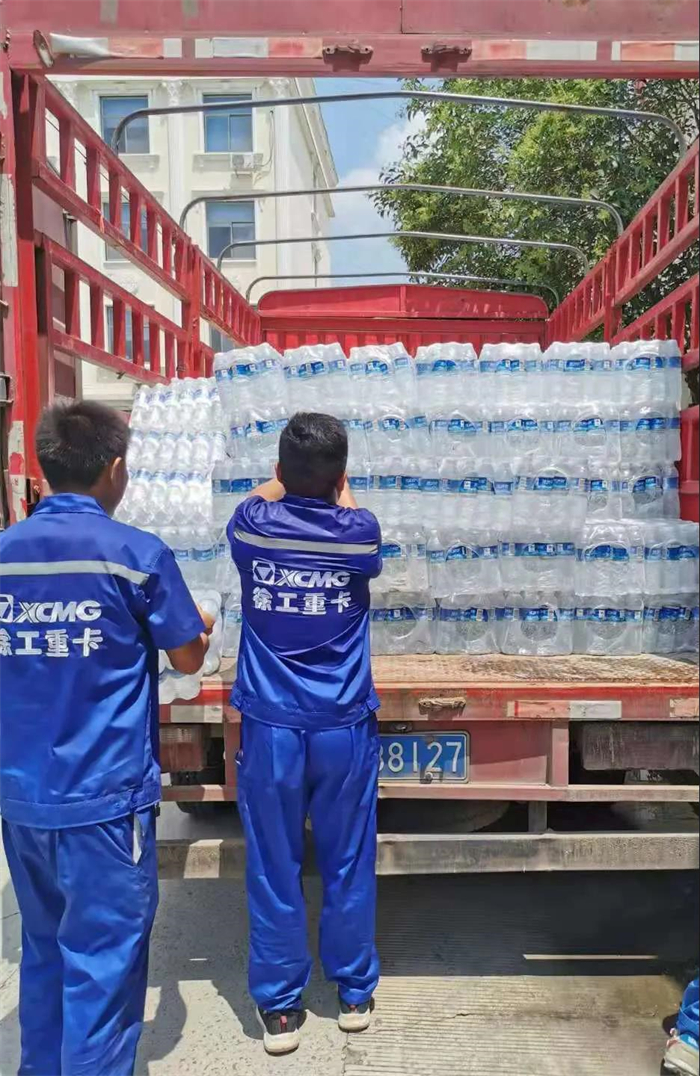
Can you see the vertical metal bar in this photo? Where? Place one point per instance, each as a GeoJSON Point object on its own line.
{"type": "Point", "coordinates": [170, 368]}
{"type": "Point", "coordinates": [135, 207]}
{"type": "Point", "coordinates": [30, 120]}
{"type": "Point", "coordinates": [151, 234]}
{"type": "Point", "coordinates": [66, 136]}
{"type": "Point", "coordinates": [44, 325]}
{"type": "Point", "coordinates": [118, 327]}
{"type": "Point", "coordinates": [137, 338]}
{"type": "Point", "coordinates": [92, 171]}
{"type": "Point", "coordinates": [115, 199]}
{"type": "Point", "coordinates": [11, 293]}
{"type": "Point", "coordinates": [664, 226]}
{"type": "Point", "coordinates": [678, 323]}
{"type": "Point", "coordinates": [681, 194]}
{"type": "Point", "coordinates": [166, 233]}
{"type": "Point", "coordinates": [71, 290]}
{"type": "Point", "coordinates": [154, 347]}
{"type": "Point", "coordinates": [558, 769]}
{"type": "Point", "coordinates": [97, 316]}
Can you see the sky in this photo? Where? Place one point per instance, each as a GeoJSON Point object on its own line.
{"type": "Point", "coordinates": [364, 136]}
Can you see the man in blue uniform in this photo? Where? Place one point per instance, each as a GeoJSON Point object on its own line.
{"type": "Point", "coordinates": [85, 605]}
{"type": "Point", "coordinates": [305, 554]}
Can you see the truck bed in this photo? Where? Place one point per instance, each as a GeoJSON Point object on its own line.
{"type": "Point", "coordinates": [498, 687]}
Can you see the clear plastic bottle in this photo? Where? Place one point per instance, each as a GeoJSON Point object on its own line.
{"type": "Point", "coordinates": [536, 623]}
{"type": "Point", "coordinates": [609, 624]}
{"type": "Point", "coordinates": [232, 622]}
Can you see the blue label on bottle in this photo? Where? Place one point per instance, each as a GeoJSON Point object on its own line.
{"type": "Point", "coordinates": [419, 422]}
{"type": "Point", "coordinates": [357, 369]}
{"type": "Point", "coordinates": [375, 366]}
{"type": "Point", "coordinates": [220, 486]}
{"type": "Point", "coordinates": [497, 426]}
{"type": "Point", "coordinates": [391, 550]}
{"type": "Point", "coordinates": [462, 552]}
{"type": "Point", "coordinates": [202, 555]}
{"type": "Point", "coordinates": [451, 485]}
{"type": "Point", "coordinates": [488, 366]}
{"type": "Point", "coordinates": [337, 364]}
{"type": "Point", "coordinates": [469, 486]}
{"type": "Point", "coordinates": [681, 552]}
{"type": "Point", "coordinates": [674, 362]}
{"type": "Point", "coordinates": [221, 375]}
{"type": "Point", "coordinates": [506, 612]}
{"type": "Point", "coordinates": [674, 422]}
{"type": "Point", "coordinates": [539, 614]}
{"type": "Point", "coordinates": [669, 612]}
{"type": "Point", "coordinates": [503, 487]}
{"type": "Point", "coordinates": [244, 369]}
{"type": "Point", "coordinates": [438, 425]}
{"type": "Point", "coordinates": [671, 481]}
{"type": "Point", "coordinates": [241, 485]}
{"type": "Point", "coordinates": [389, 481]}
{"type": "Point", "coordinates": [410, 484]}
{"type": "Point", "coordinates": [563, 425]}
{"type": "Point", "coordinates": [647, 484]}
{"type": "Point", "coordinates": [467, 366]}
{"type": "Point", "coordinates": [265, 426]}
{"type": "Point", "coordinates": [444, 366]}
{"type": "Point", "coordinates": [522, 425]}
{"type": "Point", "coordinates": [649, 424]}
{"type": "Point", "coordinates": [423, 368]}
{"type": "Point", "coordinates": [392, 423]}
{"type": "Point", "coordinates": [488, 552]}
{"type": "Point", "coordinates": [360, 483]}
{"type": "Point", "coordinates": [565, 549]}
{"type": "Point", "coordinates": [430, 485]}
{"type": "Point", "coordinates": [402, 363]}
{"type": "Point", "coordinates": [574, 365]}
{"type": "Point", "coordinates": [182, 555]}
{"type": "Point", "coordinates": [600, 365]}
{"type": "Point", "coordinates": [599, 485]}
{"type": "Point", "coordinates": [437, 556]}
{"type": "Point", "coordinates": [606, 552]}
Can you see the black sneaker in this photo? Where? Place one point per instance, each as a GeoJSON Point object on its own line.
{"type": "Point", "coordinates": [281, 1029]}
{"type": "Point", "coordinates": [355, 1017]}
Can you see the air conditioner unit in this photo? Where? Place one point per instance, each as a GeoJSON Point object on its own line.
{"type": "Point", "coordinates": [246, 162]}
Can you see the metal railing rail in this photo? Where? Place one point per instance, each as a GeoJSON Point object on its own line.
{"type": "Point", "coordinates": [632, 115]}
{"type": "Point", "coordinates": [428, 188]}
{"type": "Point", "coordinates": [488, 240]}
{"type": "Point", "coordinates": [502, 281]}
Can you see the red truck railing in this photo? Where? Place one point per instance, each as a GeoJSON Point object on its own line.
{"type": "Point", "coordinates": [89, 182]}
{"type": "Point", "coordinates": [664, 228]}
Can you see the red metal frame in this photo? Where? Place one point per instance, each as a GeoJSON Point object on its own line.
{"type": "Point", "coordinates": [553, 38]}
{"type": "Point", "coordinates": [414, 314]}
{"type": "Point", "coordinates": [168, 342]}
{"type": "Point", "coordinates": [665, 227]}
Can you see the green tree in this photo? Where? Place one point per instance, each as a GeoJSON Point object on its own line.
{"type": "Point", "coordinates": [551, 153]}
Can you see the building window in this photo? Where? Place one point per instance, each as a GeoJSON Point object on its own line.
{"type": "Point", "coordinates": [219, 341]}
{"type": "Point", "coordinates": [135, 137]}
{"type": "Point", "coordinates": [230, 222]}
{"type": "Point", "coordinates": [113, 254]}
{"type": "Point", "coordinates": [228, 132]}
{"type": "Point", "coordinates": [129, 334]}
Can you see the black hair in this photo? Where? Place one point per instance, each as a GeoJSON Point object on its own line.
{"type": "Point", "coordinates": [75, 442]}
{"type": "Point", "coordinates": [313, 454]}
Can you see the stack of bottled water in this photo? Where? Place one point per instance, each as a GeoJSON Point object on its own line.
{"type": "Point", "coordinates": [528, 501]}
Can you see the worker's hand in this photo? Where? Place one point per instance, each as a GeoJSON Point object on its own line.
{"type": "Point", "coordinates": [346, 498]}
{"type": "Point", "coordinates": [208, 619]}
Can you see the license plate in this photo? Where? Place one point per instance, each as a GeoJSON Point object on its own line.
{"type": "Point", "coordinates": [426, 757]}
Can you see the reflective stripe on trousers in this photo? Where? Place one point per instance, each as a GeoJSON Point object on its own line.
{"type": "Point", "coordinates": [87, 896]}
{"type": "Point", "coordinates": [330, 775]}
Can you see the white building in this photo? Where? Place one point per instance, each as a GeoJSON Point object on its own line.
{"type": "Point", "coordinates": [183, 157]}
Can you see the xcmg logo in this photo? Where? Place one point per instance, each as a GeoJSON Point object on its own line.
{"type": "Point", "coordinates": [274, 575]}
{"type": "Point", "coordinates": [13, 611]}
